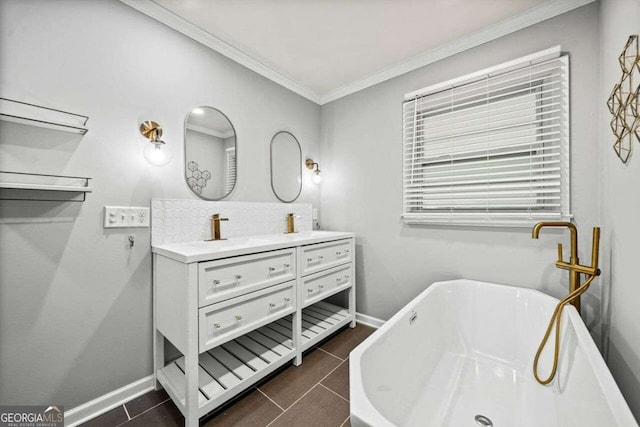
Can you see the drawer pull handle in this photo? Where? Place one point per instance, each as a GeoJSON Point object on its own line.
{"type": "Point", "coordinates": [340, 281]}
{"type": "Point", "coordinates": [220, 326]}
{"type": "Point", "coordinates": [281, 306]}
{"type": "Point", "coordinates": [321, 286]}
{"type": "Point", "coordinates": [317, 260]}
{"type": "Point", "coordinates": [310, 291]}
{"type": "Point", "coordinates": [342, 253]}
{"type": "Point", "coordinates": [285, 269]}
{"type": "Point", "coordinates": [235, 282]}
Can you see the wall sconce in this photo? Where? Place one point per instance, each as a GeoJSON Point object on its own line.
{"type": "Point", "coordinates": [156, 153]}
{"type": "Point", "coordinates": [316, 178]}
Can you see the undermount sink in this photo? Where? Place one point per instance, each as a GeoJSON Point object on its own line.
{"type": "Point", "coordinates": [285, 237]}
{"type": "Point", "coordinates": [231, 242]}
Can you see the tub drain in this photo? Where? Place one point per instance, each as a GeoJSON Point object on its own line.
{"type": "Point", "coordinates": [483, 421]}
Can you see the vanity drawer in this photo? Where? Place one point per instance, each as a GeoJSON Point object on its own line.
{"type": "Point", "coordinates": [224, 321]}
{"type": "Point", "coordinates": [326, 255]}
{"type": "Point", "coordinates": [227, 278]}
{"type": "Point", "coordinates": [321, 285]}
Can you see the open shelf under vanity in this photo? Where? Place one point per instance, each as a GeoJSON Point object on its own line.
{"type": "Point", "coordinates": [228, 369]}
{"type": "Point", "coordinates": [319, 321]}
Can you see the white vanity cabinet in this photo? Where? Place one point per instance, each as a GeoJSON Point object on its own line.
{"type": "Point", "coordinates": [239, 310]}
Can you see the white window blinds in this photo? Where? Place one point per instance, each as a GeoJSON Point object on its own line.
{"type": "Point", "coordinates": [490, 148]}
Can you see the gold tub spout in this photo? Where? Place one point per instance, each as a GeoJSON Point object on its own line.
{"type": "Point", "coordinates": [574, 275]}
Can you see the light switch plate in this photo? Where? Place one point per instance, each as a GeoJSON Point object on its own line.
{"type": "Point", "coordinates": [126, 217]}
{"type": "Point", "coordinates": [314, 214]}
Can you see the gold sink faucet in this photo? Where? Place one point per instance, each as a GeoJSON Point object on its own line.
{"type": "Point", "coordinates": [215, 227]}
{"type": "Point", "coordinates": [291, 227]}
{"type": "Point", "coordinates": [575, 288]}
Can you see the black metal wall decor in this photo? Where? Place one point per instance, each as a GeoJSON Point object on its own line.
{"type": "Point", "coordinates": [624, 102]}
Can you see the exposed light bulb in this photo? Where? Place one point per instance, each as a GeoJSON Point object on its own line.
{"type": "Point", "coordinates": [316, 178]}
{"type": "Point", "coordinates": [157, 154]}
{"type": "Point", "coordinates": [199, 111]}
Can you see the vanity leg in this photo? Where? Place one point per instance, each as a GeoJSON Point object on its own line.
{"type": "Point", "coordinates": [352, 289]}
{"type": "Point", "coordinates": [352, 305]}
{"type": "Point", "coordinates": [158, 357]}
{"type": "Point", "coordinates": [191, 393]}
{"type": "Point", "coordinates": [158, 338]}
{"type": "Point", "coordinates": [296, 321]}
{"type": "Point", "coordinates": [297, 336]}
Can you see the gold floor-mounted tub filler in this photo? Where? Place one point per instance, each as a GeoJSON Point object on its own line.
{"type": "Point", "coordinates": [575, 288]}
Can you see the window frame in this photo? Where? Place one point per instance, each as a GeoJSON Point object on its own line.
{"type": "Point", "coordinates": [516, 215]}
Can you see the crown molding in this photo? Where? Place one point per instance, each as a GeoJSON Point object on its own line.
{"type": "Point", "coordinates": [515, 23]}
{"type": "Point", "coordinates": [207, 131]}
{"type": "Point", "coordinates": [510, 25]}
{"type": "Point", "coordinates": [170, 19]}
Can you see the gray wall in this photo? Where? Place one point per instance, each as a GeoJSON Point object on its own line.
{"type": "Point", "coordinates": [75, 301]}
{"type": "Point", "coordinates": [362, 187]}
{"type": "Point", "coordinates": [620, 205]}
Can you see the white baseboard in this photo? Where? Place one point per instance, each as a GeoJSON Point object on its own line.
{"type": "Point", "coordinates": [369, 320]}
{"type": "Point", "coordinates": [87, 411]}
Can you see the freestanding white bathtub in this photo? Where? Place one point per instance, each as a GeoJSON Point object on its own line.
{"type": "Point", "coordinates": [461, 354]}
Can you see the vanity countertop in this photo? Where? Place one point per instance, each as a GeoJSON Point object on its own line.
{"type": "Point", "coordinates": [188, 252]}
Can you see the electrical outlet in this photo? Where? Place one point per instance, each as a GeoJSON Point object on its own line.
{"type": "Point", "coordinates": [125, 217]}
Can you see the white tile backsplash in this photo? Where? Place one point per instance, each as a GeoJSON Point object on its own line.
{"type": "Point", "coordinates": [176, 221]}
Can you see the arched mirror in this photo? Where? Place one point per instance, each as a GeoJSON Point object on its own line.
{"type": "Point", "coordinates": [209, 153]}
{"type": "Point", "coordinates": [286, 166]}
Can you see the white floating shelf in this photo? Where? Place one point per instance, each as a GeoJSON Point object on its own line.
{"type": "Point", "coordinates": [45, 187]}
{"type": "Point", "coordinates": [28, 186]}
{"type": "Point", "coordinates": [35, 115]}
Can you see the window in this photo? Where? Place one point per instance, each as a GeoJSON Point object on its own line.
{"type": "Point", "coordinates": [491, 148]}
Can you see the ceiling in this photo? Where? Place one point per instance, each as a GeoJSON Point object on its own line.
{"type": "Point", "coordinates": [325, 49]}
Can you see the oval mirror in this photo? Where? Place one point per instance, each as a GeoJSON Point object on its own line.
{"type": "Point", "coordinates": [286, 166]}
{"type": "Point", "coordinates": [209, 153]}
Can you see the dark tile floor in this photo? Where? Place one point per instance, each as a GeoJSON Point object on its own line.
{"type": "Point", "coordinates": [315, 393]}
